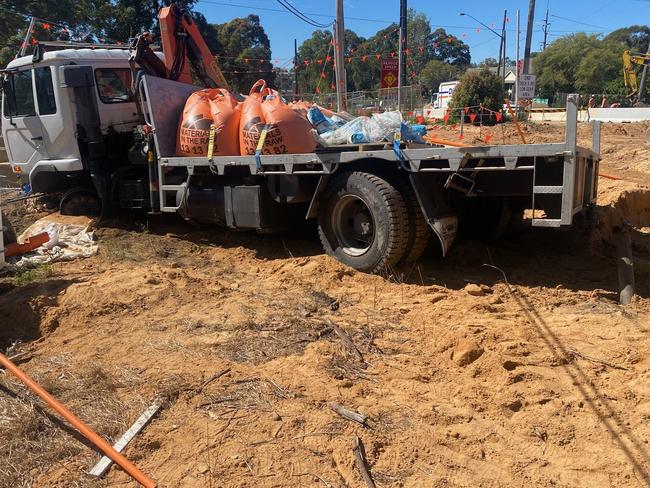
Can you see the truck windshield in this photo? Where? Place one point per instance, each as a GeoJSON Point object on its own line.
{"type": "Point", "coordinates": [19, 97]}
{"type": "Point", "coordinates": [114, 85]}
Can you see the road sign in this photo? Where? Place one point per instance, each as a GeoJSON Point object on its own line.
{"type": "Point", "coordinates": [526, 86]}
{"type": "Point", "coordinates": [389, 72]}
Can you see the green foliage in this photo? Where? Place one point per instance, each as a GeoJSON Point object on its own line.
{"type": "Point", "coordinates": [25, 276]}
{"type": "Point", "coordinates": [478, 87]}
{"type": "Point", "coordinates": [436, 72]}
{"type": "Point", "coordinates": [363, 55]}
{"type": "Point", "coordinates": [240, 44]}
{"type": "Point", "coordinates": [586, 63]}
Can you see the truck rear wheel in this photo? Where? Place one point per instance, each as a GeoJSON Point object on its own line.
{"type": "Point", "coordinates": [363, 222]}
{"type": "Point", "coordinates": [419, 230]}
{"type": "Point", "coordinates": [8, 232]}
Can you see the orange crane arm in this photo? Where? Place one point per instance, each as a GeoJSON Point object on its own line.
{"type": "Point", "coordinates": [182, 42]}
{"type": "Point", "coordinates": [183, 48]}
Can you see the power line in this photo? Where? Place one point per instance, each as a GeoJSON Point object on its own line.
{"type": "Point", "coordinates": [578, 22]}
{"type": "Point", "coordinates": [302, 16]}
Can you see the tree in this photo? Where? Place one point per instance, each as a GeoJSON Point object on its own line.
{"type": "Point", "coordinates": [556, 67]}
{"type": "Point", "coordinates": [478, 88]}
{"type": "Point", "coordinates": [449, 48]}
{"type": "Point", "coordinates": [244, 53]}
{"type": "Point", "coordinates": [436, 72]}
{"type": "Point", "coordinates": [635, 37]}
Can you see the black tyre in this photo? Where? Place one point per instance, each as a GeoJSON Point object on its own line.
{"type": "Point", "coordinates": [419, 230]}
{"type": "Point", "coordinates": [363, 222]}
{"type": "Point", "coordinates": [8, 232]}
{"type": "Point", "coordinates": [80, 201]}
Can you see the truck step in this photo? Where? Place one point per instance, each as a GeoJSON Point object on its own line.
{"type": "Point", "coordinates": [170, 187]}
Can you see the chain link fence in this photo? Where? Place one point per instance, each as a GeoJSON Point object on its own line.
{"type": "Point", "coordinates": [367, 102]}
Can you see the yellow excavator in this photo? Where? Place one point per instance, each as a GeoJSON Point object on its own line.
{"type": "Point", "coordinates": [631, 59]}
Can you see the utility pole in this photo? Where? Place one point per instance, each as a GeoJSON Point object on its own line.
{"type": "Point", "coordinates": [517, 62]}
{"type": "Point", "coordinates": [401, 76]}
{"type": "Point", "coordinates": [545, 28]}
{"type": "Point", "coordinates": [503, 37]}
{"type": "Point", "coordinates": [339, 51]}
{"type": "Point", "coordinates": [529, 35]}
{"type": "Point", "coordinates": [295, 66]}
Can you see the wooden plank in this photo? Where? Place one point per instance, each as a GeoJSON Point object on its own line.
{"type": "Point", "coordinates": [105, 462]}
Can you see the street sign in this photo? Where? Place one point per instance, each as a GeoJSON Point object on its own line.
{"type": "Point", "coordinates": [526, 86]}
{"type": "Point", "coordinates": [389, 72]}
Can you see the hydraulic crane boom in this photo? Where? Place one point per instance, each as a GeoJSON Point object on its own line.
{"type": "Point", "coordinates": [184, 51]}
{"type": "Point", "coordinates": [629, 60]}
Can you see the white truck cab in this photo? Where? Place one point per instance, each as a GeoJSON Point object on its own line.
{"type": "Point", "coordinates": [39, 112]}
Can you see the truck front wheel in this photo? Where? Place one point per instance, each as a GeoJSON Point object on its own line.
{"type": "Point", "coordinates": [363, 222]}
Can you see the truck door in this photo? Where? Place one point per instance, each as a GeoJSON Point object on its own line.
{"type": "Point", "coordinates": [21, 126]}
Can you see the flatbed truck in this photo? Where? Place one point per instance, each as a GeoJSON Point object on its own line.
{"type": "Point", "coordinates": [71, 125]}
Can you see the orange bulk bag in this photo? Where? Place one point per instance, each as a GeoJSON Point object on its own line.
{"type": "Point", "coordinates": [205, 107]}
{"type": "Point", "coordinates": [289, 130]}
{"type": "Point", "coordinates": [251, 119]}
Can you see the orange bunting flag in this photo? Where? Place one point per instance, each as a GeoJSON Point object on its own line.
{"type": "Point", "coordinates": [246, 60]}
{"type": "Point", "coordinates": [349, 60]}
{"type": "Point", "coordinates": [317, 90]}
{"type": "Point", "coordinates": [333, 86]}
{"type": "Point", "coordinates": [450, 40]}
{"type": "Point", "coordinates": [487, 138]}
{"type": "Point", "coordinates": [319, 61]}
{"type": "Point", "coordinates": [364, 58]}
{"type": "Point", "coordinates": [322, 75]}
{"type": "Point", "coordinates": [461, 137]}
{"type": "Point", "coordinates": [498, 116]}
{"type": "Point", "coordinates": [378, 56]}
{"type": "Point", "coordinates": [34, 41]}
{"type": "Point", "coordinates": [46, 26]}
{"type": "Point", "coordinates": [328, 58]}
{"type": "Point", "coordinates": [472, 118]}
{"type": "Point", "coordinates": [466, 110]}
{"type": "Point", "coordinates": [306, 62]}
{"type": "Point", "coordinates": [446, 117]}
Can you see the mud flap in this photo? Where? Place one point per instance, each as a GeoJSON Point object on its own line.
{"type": "Point", "coordinates": [445, 227]}
{"type": "Point", "coordinates": [436, 211]}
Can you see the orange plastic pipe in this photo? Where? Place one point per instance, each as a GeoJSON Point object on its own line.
{"type": "Point", "coordinates": [87, 432]}
{"type": "Point", "coordinates": [29, 245]}
{"type": "Point", "coordinates": [445, 142]}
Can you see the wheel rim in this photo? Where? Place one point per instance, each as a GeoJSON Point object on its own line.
{"type": "Point", "coordinates": [353, 225]}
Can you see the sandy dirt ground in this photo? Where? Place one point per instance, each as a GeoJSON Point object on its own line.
{"type": "Point", "coordinates": [505, 364]}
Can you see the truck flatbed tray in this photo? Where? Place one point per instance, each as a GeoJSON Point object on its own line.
{"type": "Point", "coordinates": [562, 169]}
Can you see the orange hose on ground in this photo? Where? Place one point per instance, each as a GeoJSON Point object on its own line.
{"type": "Point", "coordinates": [87, 432]}
{"type": "Point", "coordinates": [444, 142]}
{"type": "Point", "coordinates": [611, 177]}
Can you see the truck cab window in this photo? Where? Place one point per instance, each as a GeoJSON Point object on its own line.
{"type": "Point", "coordinates": [45, 91]}
{"type": "Point", "coordinates": [19, 89]}
{"type": "Point", "coordinates": [114, 85]}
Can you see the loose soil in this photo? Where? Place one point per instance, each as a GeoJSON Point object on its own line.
{"type": "Point", "coordinates": [505, 364]}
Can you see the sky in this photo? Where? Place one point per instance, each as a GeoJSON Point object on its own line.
{"type": "Point", "coordinates": [366, 17]}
